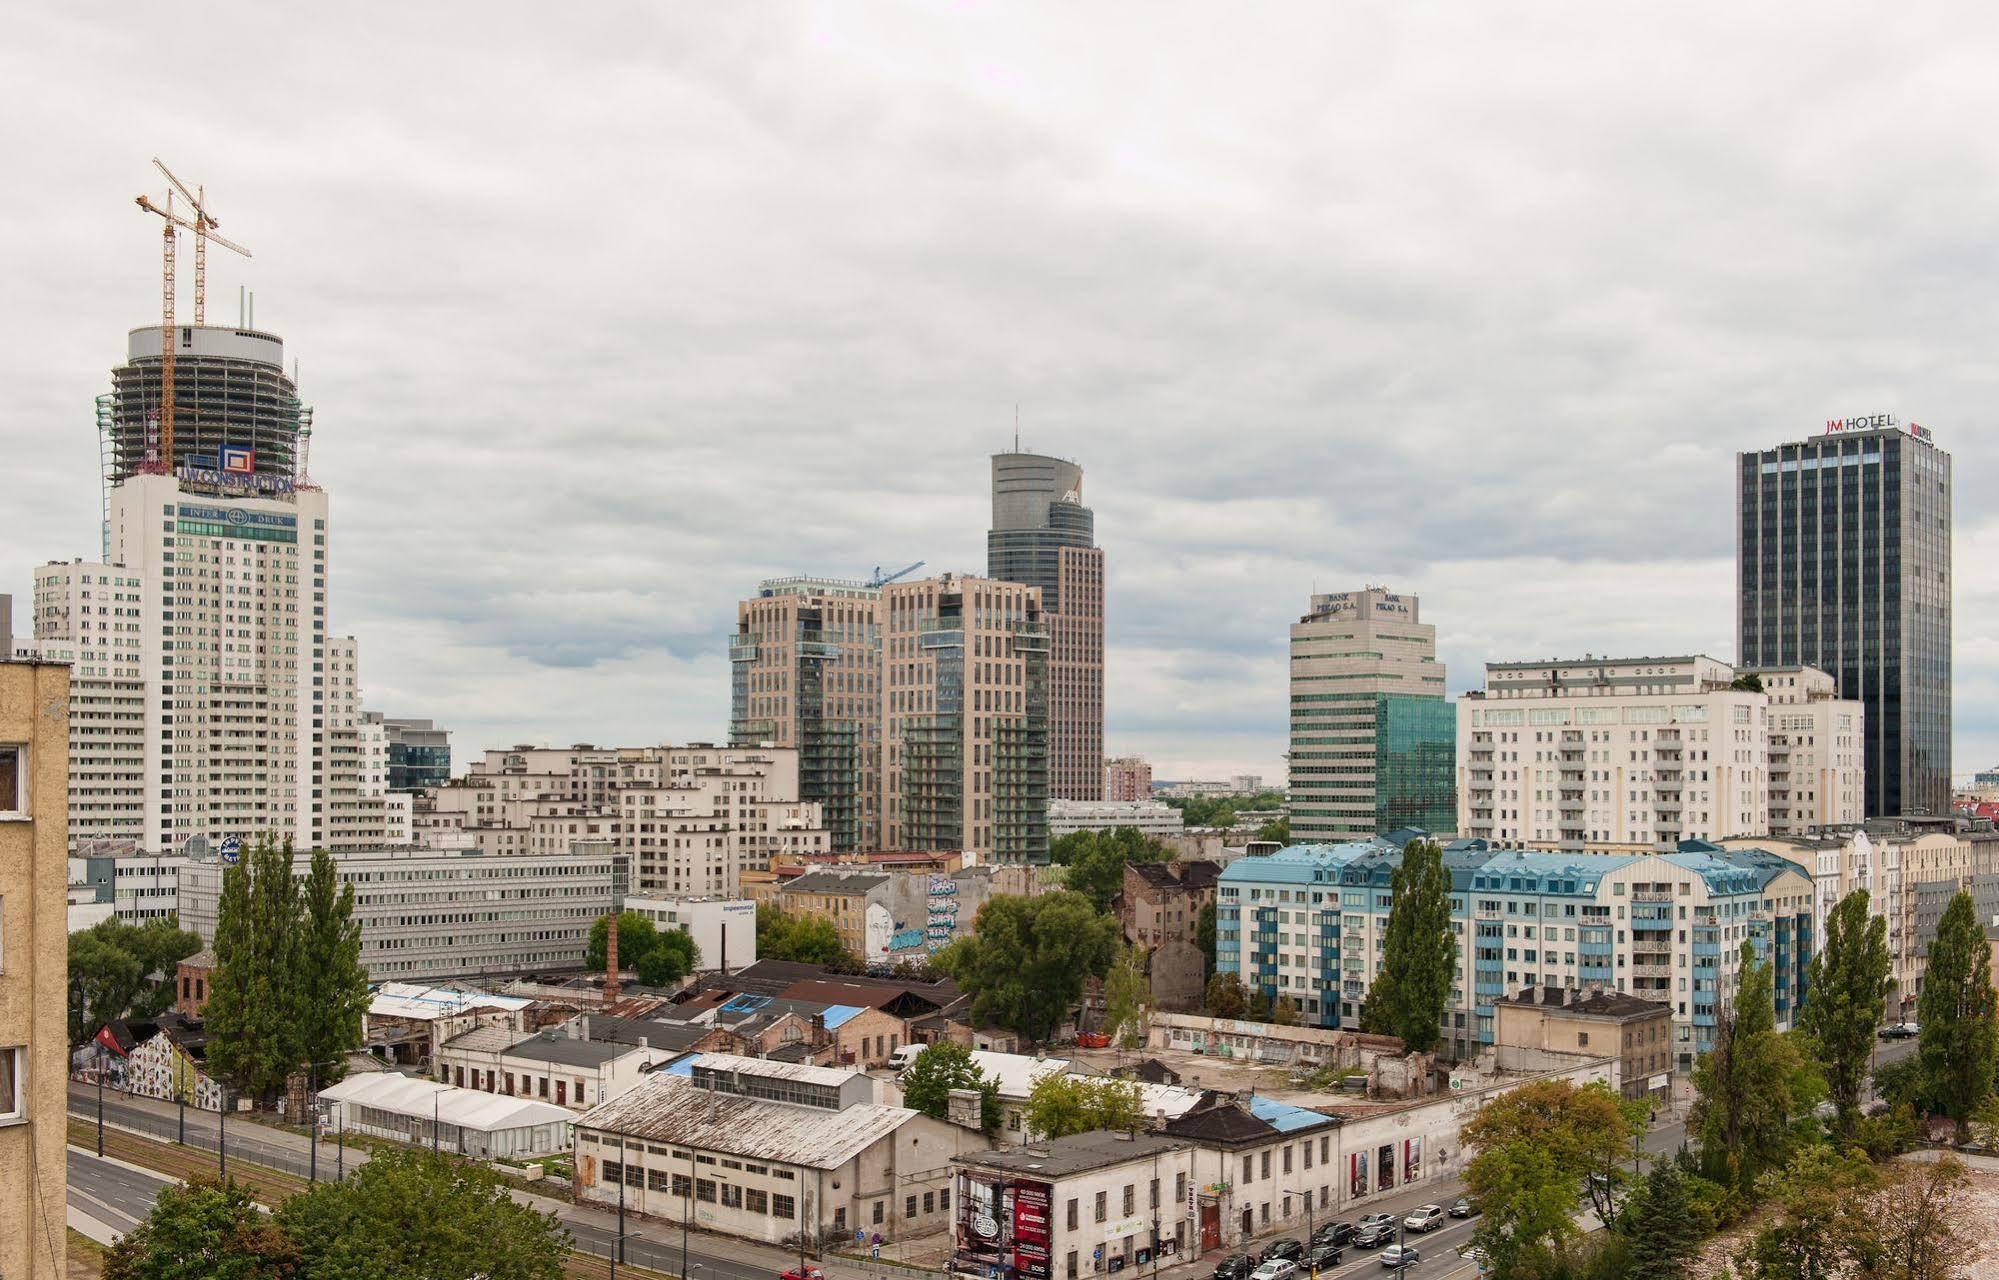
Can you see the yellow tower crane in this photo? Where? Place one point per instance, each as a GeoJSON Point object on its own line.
{"type": "Point", "coordinates": [161, 459]}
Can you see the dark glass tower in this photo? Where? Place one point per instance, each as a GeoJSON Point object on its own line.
{"type": "Point", "coordinates": [1843, 563]}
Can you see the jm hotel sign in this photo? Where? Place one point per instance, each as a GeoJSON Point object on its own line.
{"type": "Point", "coordinates": [1876, 422]}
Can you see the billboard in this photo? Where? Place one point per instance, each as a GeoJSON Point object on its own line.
{"type": "Point", "coordinates": [1003, 1229]}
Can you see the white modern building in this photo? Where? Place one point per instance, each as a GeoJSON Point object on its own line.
{"type": "Point", "coordinates": [724, 929]}
{"type": "Point", "coordinates": [1619, 755]}
{"type": "Point", "coordinates": [1149, 817]}
{"type": "Point", "coordinates": [139, 887]}
{"type": "Point", "coordinates": [206, 702]}
{"type": "Point", "coordinates": [691, 819]}
{"type": "Point", "coordinates": [430, 915]}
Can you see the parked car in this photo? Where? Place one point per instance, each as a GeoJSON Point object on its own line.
{"type": "Point", "coordinates": [1425, 1218]}
{"type": "Point", "coordinates": [1275, 1269]}
{"type": "Point", "coordinates": [1326, 1255]}
{"type": "Point", "coordinates": [1334, 1233]}
{"type": "Point", "coordinates": [1462, 1207]}
{"type": "Point", "coordinates": [805, 1273]}
{"type": "Point", "coordinates": [1377, 1219]}
{"type": "Point", "coordinates": [1901, 1031]}
{"type": "Point", "coordinates": [1400, 1255]}
{"type": "Point", "coordinates": [1236, 1266]}
{"type": "Point", "coordinates": [1288, 1250]}
{"type": "Point", "coordinates": [1374, 1234]}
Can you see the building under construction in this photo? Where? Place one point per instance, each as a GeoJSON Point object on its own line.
{"type": "Point", "coordinates": [230, 388]}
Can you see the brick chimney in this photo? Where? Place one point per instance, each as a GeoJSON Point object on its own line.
{"type": "Point", "coordinates": [611, 959]}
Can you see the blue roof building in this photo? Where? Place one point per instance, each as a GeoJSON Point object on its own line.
{"type": "Point", "coordinates": [1309, 923]}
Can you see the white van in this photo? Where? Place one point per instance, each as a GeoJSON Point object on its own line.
{"type": "Point", "coordinates": [904, 1058]}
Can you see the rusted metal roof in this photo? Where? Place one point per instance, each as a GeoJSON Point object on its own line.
{"type": "Point", "coordinates": [669, 1109]}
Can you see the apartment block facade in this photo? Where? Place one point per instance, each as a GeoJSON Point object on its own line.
{"type": "Point", "coordinates": [1127, 779]}
{"type": "Point", "coordinates": [34, 973]}
{"type": "Point", "coordinates": [1616, 755]}
{"type": "Point", "coordinates": [965, 737]}
{"type": "Point", "coordinates": [1310, 922]}
{"type": "Point", "coordinates": [1372, 735]}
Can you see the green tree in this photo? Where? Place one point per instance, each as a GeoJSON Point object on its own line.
{"type": "Point", "coordinates": [1027, 958]}
{"type": "Point", "coordinates": [1204, 937]}
{"type": "Point", "coordinates": [1127, 997]}
{"type": "Point", "coordinates": [1660, 1224]}
{"type": "Point", "coordinates": [1225, 997]}
{"type": "Point", "coordinates": [411, 1215]}
{"type": "Point", "coordinates": [939, 1069]}
{"type": "Point", "coordinates": [1412, 987]}
{"type": "Point", "coordinates": [119, 970]}
{"type": "Point", "coordinates": [1845, 992]}
{"type": "Point", "coordinates": [800, 939]}
{"type": "Point", "coordinates": [1959, 1045]}
{"type": "Point", "coordinates": [1096, 861]}
{"type": "Point", "coordinates": [255, 1014]}
{"type": "Point", "coordinates": [1284, 1012]}
{"type": "Point", "coordinates": [660, 957]}
{"type": "Point", "coordinates": [1060, 1105]}
{"type": "Point", "coordinates": [1749, 1087]}
{"type": "Point", "coordinates": [1748, 682]}
{"type": "Point", "coordinates": [1921, 1221]}
{"type": "Point", "coordinates": [1823, 1228]}
{"type": "Point", "coordinates": [204, 1232]}
{"type": "Point", "coordinates": [1277, 830]}
{"type": "Point", "coordinates": [1535, 1147]}
{"type": "Point", "coordinates": [104, 980]}
{"type": "Point", "coordinates": [332, 984]}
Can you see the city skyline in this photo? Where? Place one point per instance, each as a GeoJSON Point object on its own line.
{"type": "Point", "coordinates": [1523, 407]}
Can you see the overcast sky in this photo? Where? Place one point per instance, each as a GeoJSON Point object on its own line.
{"type": "Point", "coordinates": [607, 312]}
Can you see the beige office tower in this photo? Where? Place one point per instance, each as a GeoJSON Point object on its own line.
{"type": "Point", "coordinates": [964, 709]}
{"type": "Point", "coordinates": [1372, 737]}
{"type": "Point", "coordinates": [1043, 536]}
{"type": "Point", "coordinates": [34, 974]}
{"type": "Point", "coordinates": [805, 673]}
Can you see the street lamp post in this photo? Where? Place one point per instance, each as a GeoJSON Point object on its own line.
{"type": "Point", "coordinates": [311, 1110]}
{"type": "Point", "coordinates": [222, 1135]}
{"type": "Point", "coordinates": [100, 1099]}
{"type": "Point", "coordinates": [687, 1213]}
{"type": "Point", "coordinates": [624, 1176]}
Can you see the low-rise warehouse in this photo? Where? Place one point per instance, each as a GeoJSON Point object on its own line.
{"type": "Point", "coordinates": [463, 1121]}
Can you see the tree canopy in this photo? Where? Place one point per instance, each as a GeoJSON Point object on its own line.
{"type": "Point", "coordinates": [204, 1232]}
{"type": "Point", "coordinates": [1127, 997]}
{"type": "Point", "coordinates": [1027, 958]}
{"type": "Point", "coordinates": [1096, 861]}
{"type": "Point", "coordinates": [1749, 1087]}
{"type": "Point", "coordinates": [1535, 1148]}
{"type": "Point", "coordinates": [1223, 811]}
{"type": "Point", "coordinates": [1959, 1044]}
{"type": "Point", "coordinates": [1060, 1105]}
{"type": "Point", "coordinates": [660, 957]}
{"type": "Point", "coordinates": [411, 1215]}
{"type": "Point", "coordinates": [118, 969]}
{"type": "Point", "coordinates": [1412, 987]}
{"type": "Point", "coordinates": [1847, 984]}
{"type": "Point", "coordinates": [801, 939]}
{"type": "Point", "coordinates": [939, 1069]}
{"type": "Point", "coordinates": [1225, 997]}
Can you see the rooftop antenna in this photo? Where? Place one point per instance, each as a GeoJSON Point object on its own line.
{"type": "Point", "coordinates": [1016, 426]}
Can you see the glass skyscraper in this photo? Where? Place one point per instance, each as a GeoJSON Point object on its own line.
{"type": "Point", "coordinates": [1843, 563]}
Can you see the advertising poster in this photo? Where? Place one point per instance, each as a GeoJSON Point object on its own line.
{"type": "Point", "coordinates": [1356, 1175]}
{"type": "Point", "coordinates": [983, 1225]}
{"type": "Point", "coordinates": [1412, 1159]}
{"type": "Point", "coordinates": [1030, 1229]}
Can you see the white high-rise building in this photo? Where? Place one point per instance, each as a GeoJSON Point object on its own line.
{"type": "Point", "coordinates": [1617, 755]}
{"type": "Point", "coordinates": [211, 702]}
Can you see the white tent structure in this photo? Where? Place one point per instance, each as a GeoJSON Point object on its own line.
{"type": "Point", "coordinates": [467, 1122]}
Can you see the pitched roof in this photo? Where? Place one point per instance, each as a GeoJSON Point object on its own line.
{"type": "Point", "coordinates": [1192, 874]}
{"type": "Point", "coordinates": [425, 1099]}
{"type": "Point", "coordinates": [667, 1108]}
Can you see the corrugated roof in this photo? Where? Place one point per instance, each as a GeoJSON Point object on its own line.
{"type": "Point", "coordinates": [668, 1109]}
{"type": "Point", "coordinates": [1016, 1073]}
{"type": "Point", "coordinates": [1284, 1117]}
{"type": "Point", "coordinates": [1077, 1154]}
{"type": "Point", "coordinates": [413, 1000]}
{"type": "Point", "coordinates": [484, 1040]}
{"type": "Point", "coordinates": [833, 1077]}
{"type": "Point", "coordinates": [425, 1099]}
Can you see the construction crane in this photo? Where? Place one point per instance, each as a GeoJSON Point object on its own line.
{"type": "Point", "coordinates": [161, 461]}
{"type": "Point", "coordinates": [883, 579]}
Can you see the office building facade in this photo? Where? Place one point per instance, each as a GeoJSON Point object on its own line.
{"type": "Point", "coordinates": [1843, 562]}
{"type": "Point", "coordinates": [965, 754]}
{"type": "Point", "coordinates": [425, 915]}
{"type": "Point", "coordinates": [419, 754]}
{"type": "Point", "coordinates": [1043, 536]}
{"type": "Point", "coordinates": [1127, 778]}
{"type": "Point", "coordinates": [1372, 735]}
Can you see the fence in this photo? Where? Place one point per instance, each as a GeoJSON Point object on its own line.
{"type": "Point", "coordinates": [242, 1139]}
